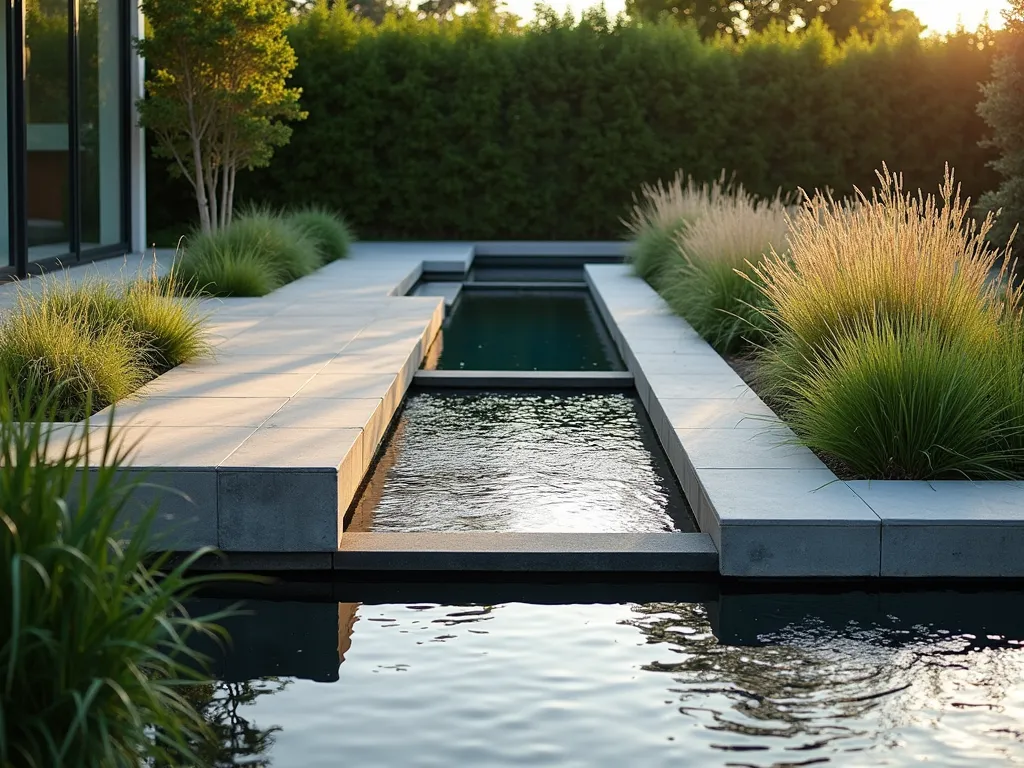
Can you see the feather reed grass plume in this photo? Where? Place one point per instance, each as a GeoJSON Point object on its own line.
{"type": "Point", "coordinates": [710, 283]}
{"type": "Point", "coordinates": [890, 255]}
{"type": "Point", "coordinates": [896, 345]}
{"type": "Point", "coordinates": [662, 210]}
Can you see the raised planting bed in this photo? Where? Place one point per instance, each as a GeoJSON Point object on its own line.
{"type": "Point", "coordinates": [773, 508]}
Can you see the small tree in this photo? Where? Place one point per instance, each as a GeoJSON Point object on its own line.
{"type": "Point", "coordinates": [217, 96]}
{"type": "Point", "coordinates": [1002, 107]}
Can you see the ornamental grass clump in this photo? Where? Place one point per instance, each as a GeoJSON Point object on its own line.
{"type": "Point", "coordinates": [95, 643]}
{"type": "Point", "coordinates": [94, 343]}
{"type": "Point", "coordinates": [661, 212]}
{"type": "Point", "coordinates": [326, 229]}
{"type": "Point", "coordinates": [711, 282]}
{"type": "Point", "coordinates": [895, 340]}
{"type": "Point", "coordinates": [257, 253]}
{"type": "Point", "coordinates": [167, 331]}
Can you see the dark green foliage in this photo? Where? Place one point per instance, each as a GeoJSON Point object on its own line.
{"type": "Point", "coordinates": [653, 251]}
{"type": "Point", "coordinates": [419, 130]}
{"type": "Point", "coordinates": [326, 229]}
{"type": "Point", "coordinates": [1003, 109]}
{"type": "Point", "coordinates": [723, 306]}
{"type": "Point", "coordinates": [94, 641]}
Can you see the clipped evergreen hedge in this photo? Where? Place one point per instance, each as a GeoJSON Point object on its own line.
{"type": "Point", "coordinates": [421, 131]}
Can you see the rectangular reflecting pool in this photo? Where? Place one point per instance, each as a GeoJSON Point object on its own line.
{"type": "Point", "coordinates": [477, 461]}
{"type": "Point", "coordinates": [526, 330]}
{"type": "Point", "coordinates": [640, 677]}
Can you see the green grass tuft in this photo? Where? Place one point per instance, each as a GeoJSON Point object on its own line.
{"type": "Point", "coordinates": [326, 229]}
{"type": "Point", "coordinates": [653, 253]}
{"type": "Point", "coordinates": [712, 281]}
{"type": "Point", "coordinates": [257, 253]}
{"type": "Point", "coordinates": [724, 306]}
{"type": "Point", "coordinates": [94, 342]}
{"type": "Point", "coordinates": [88, 369]}
{"type": "Point", "coordinates": [97, 643]}
{"type": "Point", "coordinates": [661, 212]}
{"type": "Point", "coordinates": [909, 402]}
{"type": "Point", "coordinates": [892, 349]}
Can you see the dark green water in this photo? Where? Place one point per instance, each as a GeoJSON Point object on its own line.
{"type": "Point", "coordinates": [522, 462]}
{"type": "Point", "coordinates": [519, 330]}
{"type": "Point", "coordinates": [425, 676]}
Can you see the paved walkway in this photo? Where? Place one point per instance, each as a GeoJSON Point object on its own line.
{"type": "Point", "coordinates": [116, 268]}
{"type": "Point", "coordinates": [270, 438]}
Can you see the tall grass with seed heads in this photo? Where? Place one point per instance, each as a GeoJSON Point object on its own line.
{"type": "Point", "coordinates": [895, 339]}
{"type": "Point", "coordinates": [712, 284]}
{"type": "Point", "coordinates": [661, 212]}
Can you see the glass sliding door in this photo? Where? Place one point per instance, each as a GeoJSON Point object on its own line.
{"type": "Point", "coordinates": [64, 119]}
{"type": "Point", "coordinates": [100, 122]}
{"type": "Point", "coordinates": [48, 129]}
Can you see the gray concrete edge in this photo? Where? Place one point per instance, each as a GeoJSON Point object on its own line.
{"type": "Point", "coordinates": [512, 552]}
{"type": "Point", "coordinates": [524, 379]}
{"type": "Point", "coordinates": [734, 561]}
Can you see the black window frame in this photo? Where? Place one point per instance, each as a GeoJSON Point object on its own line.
{"type": "Point", "coordinates": [18, 265]}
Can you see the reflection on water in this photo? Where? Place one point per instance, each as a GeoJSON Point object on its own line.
{"type": "Point", "coordinates": [233, 738]}
{"type": "Point", "coordinates": [648, 684]}
{"type": "Point", "coordinates": [521, 462]}
{"type": "Point", "coordinates": [523, 330]}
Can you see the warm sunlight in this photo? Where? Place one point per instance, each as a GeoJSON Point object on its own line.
{"type": "Point", "coordinates": [939, 15]}
{"type": "Point", "coordinates": [944, 15]}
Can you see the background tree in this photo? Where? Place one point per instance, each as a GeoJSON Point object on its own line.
{"type": "Point", "coordinates": [736, 17]}
{"type": "Point", "coordinates": [1002, 108]}
{"type": "Point", "coordinates": [217, 96]}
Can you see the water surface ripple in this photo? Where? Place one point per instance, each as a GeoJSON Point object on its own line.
{"type": "Point", "coordinates": [522, 462]}
{"type": "Point", "coordinates": [646, 685]}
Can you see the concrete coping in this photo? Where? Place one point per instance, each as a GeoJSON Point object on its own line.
{"type": "Point", "coordinates": [579, 380]}
{"type": "Point", "coordinates": [543, 552]}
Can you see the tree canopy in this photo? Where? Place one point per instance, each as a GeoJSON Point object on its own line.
{"type": "Point", "coordinates": [734, 17]}
{"type": "Point", "coordinates": [1002, 108]}
{"type": "Point", "coordinates": [217, 94]}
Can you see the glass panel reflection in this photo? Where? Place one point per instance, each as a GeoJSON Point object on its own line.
{"type": "Point", "coordinates": [99, 122]}
{"type": "Point", "coordinates": [47, 106]}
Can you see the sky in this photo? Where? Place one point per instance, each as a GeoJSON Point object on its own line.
{"type": "Point", "coordinates": [939, 15]}
{"type": "Point", "coordinates": [942, 15]}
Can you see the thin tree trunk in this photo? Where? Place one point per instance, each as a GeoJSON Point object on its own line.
{"type": "Point", "coordinates": [225, 201]}
{"type": "Point", "coordinates": [200, 186]}
{"type": "Point", "coordinates": [230, 178]}
{"type": "Point", "coordinates": [198, 182]}
{"type": "Point", "coordinates": [211, 192]}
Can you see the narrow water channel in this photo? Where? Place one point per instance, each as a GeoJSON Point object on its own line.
{"type": "Point", "coordinates": [485, 461]}
{"type": "Point", "coordinates": [521, 461]}
{"type": "Point", "coordinates": [526, 330]}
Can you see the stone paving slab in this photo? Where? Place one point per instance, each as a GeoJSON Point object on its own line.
{"type": "Point", "coordinates": [948, 528]}
{"type": "Point", "coordinates": [262, 446]}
